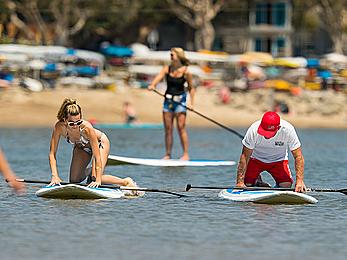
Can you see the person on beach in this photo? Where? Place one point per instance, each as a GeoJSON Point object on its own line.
{"type": "Point", "coordinates": [129, 113]}
{"type": "Point", "coordinates": [179, 81]}
{"type": "Point", "coordinates": [265, 148]}
{"type": "Point", "coordinates": [89, 144]}
{"type": "Point", "coordinates": [9, 175]}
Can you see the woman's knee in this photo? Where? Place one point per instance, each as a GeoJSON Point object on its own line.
{"type": "Point", "coordinates": [168, 129]}
{"type": "Point", "coordinates": [181, 128]}
{"type": "Point", "coordinates": [181, 123]}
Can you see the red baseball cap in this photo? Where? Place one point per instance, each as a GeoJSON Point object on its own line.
{"type": "Point", "coordinates": [270, 123]}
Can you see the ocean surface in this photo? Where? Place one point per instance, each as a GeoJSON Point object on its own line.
{"type": "Point", "coordinates": [160, 226]}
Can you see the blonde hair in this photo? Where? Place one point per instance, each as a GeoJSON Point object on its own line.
{"type": "Point", "coordinates": [69, 106]}
{"type": "Point", "coordinates": [181, 55]}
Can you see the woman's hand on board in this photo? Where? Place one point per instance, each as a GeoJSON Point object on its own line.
{"type": "Point", "coordinates": [55, 181]}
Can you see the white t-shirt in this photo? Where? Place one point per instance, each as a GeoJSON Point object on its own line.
{"type": "Point", "coordinates": [274, 149]}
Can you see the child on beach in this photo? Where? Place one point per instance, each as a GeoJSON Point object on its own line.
{"type": "Point", "coordinates": [129, 113]}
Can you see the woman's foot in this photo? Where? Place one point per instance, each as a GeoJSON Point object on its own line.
{"type": "Point", "coordinates": [132, 183]}
{"type": "Point", "coordinates": [129, 182]}
{"type": "Point", "coordinates": [185, 157]}
{"type": "Point", "coordinates": [166, 157]}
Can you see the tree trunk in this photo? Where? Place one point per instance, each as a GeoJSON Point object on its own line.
{"type": "Point", "coordinates": [62, 38]}
{"type": "Point", "coordinates": [204, 36]}
{"type": "Point", "coordinates": [332, 15]}
{"type": "Point", "coordinates": [198, 15]}
{"type": "Point", "coordinates": [208, 34]}
{"type": "Point", "coordinates": [338, 43]}
{"type": "Point", "coordinates": [1, 29]}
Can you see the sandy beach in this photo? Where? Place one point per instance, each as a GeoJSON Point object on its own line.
{"type": "Point", "coordinates": [20, 108]}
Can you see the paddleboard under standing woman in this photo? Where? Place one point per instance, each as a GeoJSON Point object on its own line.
{"type": "Point", "coordinates": [89, 144]}
{"type": "Point", "coordinates": [179, 82]}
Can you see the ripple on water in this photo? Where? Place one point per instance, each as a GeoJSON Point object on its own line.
{"type": "Point", "coordinates": [159, 225]}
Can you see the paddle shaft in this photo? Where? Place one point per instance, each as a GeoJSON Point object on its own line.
{"type": "Point", "coordinates": [152, 190]}
{"type": "Point", "coordinates": [206, 117]}
{"type": "Point", "coordinates": [189, 186]}
{"type": "Point", "coordinates": [108, 187]}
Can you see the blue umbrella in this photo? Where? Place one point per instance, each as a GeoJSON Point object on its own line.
{"type": "Point", "coordinates": [117, 51]}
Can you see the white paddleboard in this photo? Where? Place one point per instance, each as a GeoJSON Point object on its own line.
{"type": "Point", "coordinates": [75, 191]}
{"type": "Point", "coordinates": [119, 160]}
{"type": "Point", "coordinates": [267, 196]}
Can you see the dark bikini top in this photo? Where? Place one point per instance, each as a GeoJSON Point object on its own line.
{"type": "Point", "coordinates": [175, 85]}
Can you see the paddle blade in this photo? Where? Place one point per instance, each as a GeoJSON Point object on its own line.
{"type": "Point", "coordinates": [188, 187]}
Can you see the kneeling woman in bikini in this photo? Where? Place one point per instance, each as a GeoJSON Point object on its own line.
{"type": "Point", "coordinates": [88, 144]}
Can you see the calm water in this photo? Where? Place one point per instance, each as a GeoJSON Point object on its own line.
{"type": "Point", "coordinates": [201, 226]}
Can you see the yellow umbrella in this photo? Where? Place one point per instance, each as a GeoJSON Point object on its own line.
{"type": "Point", "coordinates": [256, 57]}
{"type": "Point", "coordinates": [285, 63]}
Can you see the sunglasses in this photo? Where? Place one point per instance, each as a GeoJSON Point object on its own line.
{"type": "Point", "coordinates": [72, 123]}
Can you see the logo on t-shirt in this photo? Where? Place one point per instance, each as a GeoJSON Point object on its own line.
{"type": "Point", "coordinates": [279, 143]}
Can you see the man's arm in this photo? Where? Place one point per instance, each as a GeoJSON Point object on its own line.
{"type": "Point", "coordinates": [242, 166]}
{"type": "Point", "coordinates": [299, 170]}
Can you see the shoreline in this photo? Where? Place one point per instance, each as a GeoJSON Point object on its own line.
{"type": "Point", "coordinates": [22, 109]}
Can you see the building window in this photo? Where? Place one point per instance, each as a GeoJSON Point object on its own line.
{"type": "Point", "coordinates": [261, 14]}
{"type": "Point", "coordinates": [281, 44]}
{"type": "Point", "coordinates": [274, 46]}
{"type": "Point", "coordinates": [263, 45]}
{"type": "Point", "coordinates": [272, 14]}
{"type": "Point", "coordinates": [257, 44]}
{"type": "Point", "coordinates": [279, 14]}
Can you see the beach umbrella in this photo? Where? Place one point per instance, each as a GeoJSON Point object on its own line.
{"type": "Point", "coordinates": [37, 64]}
{"type": "Point", "coordinates": [290, 62]}
{"type": "Point", "coordinates": [272, 72]}
{"type": "Point", "coordinates": [262, 58]}
{"type": "Point", "coordinates": [312, 63]}
{"type": "Point", "coordinates": [139, 49]}
{"type": "Point", "coordinates": [117, 51]}
{"type": "Point", "coordinates": [336, 57]}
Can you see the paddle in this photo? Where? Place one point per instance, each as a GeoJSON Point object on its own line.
{"type": "Point", "coordinates": [189, 186]}
{"type": "Point", "coordinates": [109, 187]}
{"type": "Point", "coordinates": [202, 115]}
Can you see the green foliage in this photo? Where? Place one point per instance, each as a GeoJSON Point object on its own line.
{"type": "Point", "coordinates": [305, 15]}
{"type": "Point", "coordinates": [113, 16]}
{"type": "Point", "coordinates": [5, 40]}
{"type": "Point", "coordinates": [311, 21]}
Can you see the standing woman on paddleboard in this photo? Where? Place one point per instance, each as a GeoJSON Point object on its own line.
{"type": "Point", "coordinates": [89, 144]}
{"type": "Point", "coordinates": [179, 81]}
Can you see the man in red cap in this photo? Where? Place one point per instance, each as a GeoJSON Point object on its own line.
{"type": "Point", "coordinates": [265, 148]}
